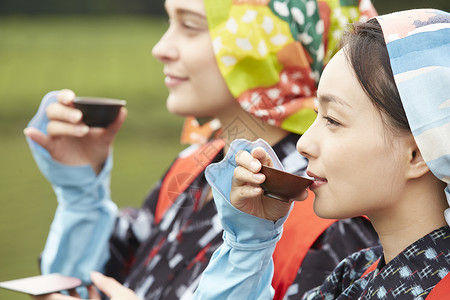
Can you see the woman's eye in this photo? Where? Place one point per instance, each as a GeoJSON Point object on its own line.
{"type": "Point", "coordinates": [190, 26]}
{"type": "Point", "coordinates": [331, 122]}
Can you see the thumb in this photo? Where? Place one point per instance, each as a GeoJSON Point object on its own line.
{"type": "Point", "coordinates": [302, 196]}
{"type": "Point", "coordinates": [108, 134]}
{"type": "Point", "coordinates": [107, 285]}
{"type": "Point", "coordinates": [117, 124]}
{"type": "Point", "coordinates": [37, 136]}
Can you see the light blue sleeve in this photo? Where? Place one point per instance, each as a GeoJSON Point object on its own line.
{"type": "Point", "coordinates": [242, 268]}
{"type": "Point", "coordinates": [78, 239]}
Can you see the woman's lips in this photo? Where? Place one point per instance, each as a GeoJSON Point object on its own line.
{"type": "Point", "coordinates": [318, 181]}
{"type": "Point", "coordinates": [173, 81]}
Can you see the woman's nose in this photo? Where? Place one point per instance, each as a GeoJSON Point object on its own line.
{"type": "Point", "coordinates": [307, 144]}
{"type": "Point", "coordinates": [165, 49]}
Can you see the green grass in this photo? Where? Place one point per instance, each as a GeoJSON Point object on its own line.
{"type": "Point", "coordinates": [106, 56]}
{"type": "Point", "coordinates": [95, 56]}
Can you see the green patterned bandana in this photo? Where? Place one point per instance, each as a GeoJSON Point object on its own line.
{"type": "Point", "coordinates": [272, 52]}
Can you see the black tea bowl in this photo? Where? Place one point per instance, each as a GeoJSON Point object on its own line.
{"type": "Point", "coordinates": [282, 185]}
{"type": "Point", "coordinates": [98, 112]}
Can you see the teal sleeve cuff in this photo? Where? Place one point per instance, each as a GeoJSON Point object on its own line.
{"type": "Point", "coordinates": [78, 239]}
{"type": "Point", "coordinates": [241, 229]}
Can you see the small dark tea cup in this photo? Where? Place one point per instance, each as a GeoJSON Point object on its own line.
{"type": "Point", "coordinates": [282, 185]}
{"type": "Point", "coordinates": [98, 112]}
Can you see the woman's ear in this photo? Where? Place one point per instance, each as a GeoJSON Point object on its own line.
{"type": "Point", "coordinates": [416, 164]}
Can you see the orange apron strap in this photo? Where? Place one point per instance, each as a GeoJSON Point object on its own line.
{"type": "Point", "coordinates": [183, 172]}
{"type": "Point", "coordinates": [441, 290]}
{"type": "Point", "coordinates": [371, 268]}
{"type": "Point", "coordinates": [301, 230]}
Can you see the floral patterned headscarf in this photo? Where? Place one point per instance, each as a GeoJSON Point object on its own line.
{"type": "Point", "coordinates": [272, 53]}
{"type": "Point", "coordinates": [418, 43]}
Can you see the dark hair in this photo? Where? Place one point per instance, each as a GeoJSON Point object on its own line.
{"type": "Point", "coordinates": [367, 53]}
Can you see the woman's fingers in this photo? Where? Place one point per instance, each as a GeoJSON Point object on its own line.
{"type": "Point", "coordinates": [262, 155]}
{"type": "Point", "coordinates": [37, 136]}
{"type": "Point", "coordinates": [110, 132]}
{"type": "Point", "coordinates": [243, 176]}
{"type": "Point", "coordinates": [123, 113]}
{"type": "Point", "coordinates": [112, 288]}
{"type": "Point", "coordinates": [246, 177]}
{"type": "Point", "coordinates": [245, 184]}
{"type": "Point", "coordinates": [107, 285]}
{"type": "Point", "coordinates": [253, 160]}
{"type": "Point", "coordinates": [302, 196]}
{"type": "Point", "coordinates": [73, 293]}
{"type": "Point", "coordinates": [65, 96]}
{"type": "Point", "coordinates": [58, 128]}
{"type": "Point", "coordinates": [61, 112]}
{"type": "Point", "coordinates": [244, 192]}
{"type": "Point", "coordinates": [246, 160]}
{"type": "Point", "coordinates": [54, 296]}
{"type": "Point", "coordinates": [93, 294]}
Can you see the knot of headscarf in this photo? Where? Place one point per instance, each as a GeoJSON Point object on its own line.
{"type": "Point", "coordinates": [418, 43]}
{"type": "Point", "coordinates": [271, 54]}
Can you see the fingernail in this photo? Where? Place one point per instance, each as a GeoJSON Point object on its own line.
{"type": "Point", "coordinates": [82, 129]}
{"type": "Point", "coordinates": [67, 96]}
{"type": "Point", "coordinates": [257, 190]}
{"type": "Point", "coordinates": [258, 177]}
{"type": "Point", "coordinates": [95, 274]}
{"type": "Point", "coordinates": [25, 131]}
{"type": "Point", "coordinates": [75, 116]}
{"type": "Point", "coordinates": [254, 166]}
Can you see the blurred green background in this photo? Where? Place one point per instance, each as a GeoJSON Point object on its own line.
{"type": "Point", "coordinates": [96, 48]}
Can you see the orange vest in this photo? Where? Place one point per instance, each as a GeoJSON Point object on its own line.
{"type": "Point", "coordinates": [301, 229]}
{"type": "Point", "coordinates": [183, 172]}
{"type": "Point", "coordinates": [441, 291]}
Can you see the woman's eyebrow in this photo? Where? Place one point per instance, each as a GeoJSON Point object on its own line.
{"type": "Point", "coordinates": [327, 98]}
{"type": "Point", "coordinates": [188, 13]}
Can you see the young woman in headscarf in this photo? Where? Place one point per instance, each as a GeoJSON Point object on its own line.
{"type": "Point", "coordinates": [251, 68]}
{"type": "Point", "coordinates": [380, 147]}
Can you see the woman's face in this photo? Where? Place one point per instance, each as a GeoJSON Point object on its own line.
{"type": "Point", "coordinates": [356, 160]}
{"type": "Point", "coordinates": [196, 87]}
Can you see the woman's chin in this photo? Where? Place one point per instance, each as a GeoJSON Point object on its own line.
{"type": "Point", "coordinates": [328, 212]}
{"type": "Point", "coordinates": [175, 109]}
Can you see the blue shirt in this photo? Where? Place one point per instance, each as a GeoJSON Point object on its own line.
{"type": "Point", "coordinates": [242, 268]}
{"type": "Point", "coordinates": [83, 222]}
{"type": "Point", "coordinates": [85, 216]}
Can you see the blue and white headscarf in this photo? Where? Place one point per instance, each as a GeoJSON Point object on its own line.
{"type": "Point", "coordinates": [418, 43]}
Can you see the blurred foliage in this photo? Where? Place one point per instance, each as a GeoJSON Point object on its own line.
{"type": "Point", "coordinates": [34, 7]}
{"type": "Point", "coordinates": [98, 56]}
{"type": "Point", "coordinates": [156, 7]}
{"type": "Point", "coordinates": [108, 57]}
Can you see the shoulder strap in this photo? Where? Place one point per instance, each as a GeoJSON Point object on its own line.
{"type": "Point", "coordinates": [301, 230]}
{"type": "Point", "coordinates": [441, 291]}
{"type": "Point", "coordinates": [183, 172]}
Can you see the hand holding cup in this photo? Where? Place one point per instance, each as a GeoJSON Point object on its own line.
{"type": "Point", "coordinates": [69, 140]}
{"type": "Point", "coordinates": [247, 194]}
